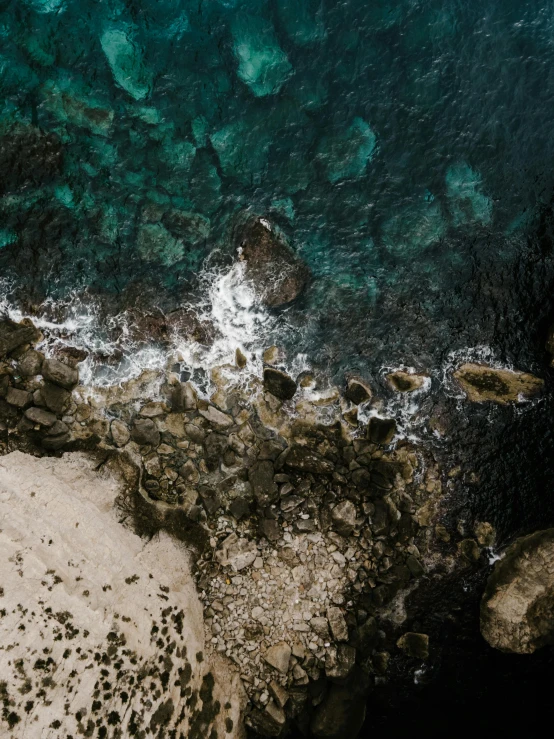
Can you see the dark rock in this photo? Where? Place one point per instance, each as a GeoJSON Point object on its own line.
{"type": "Point", "coordinates": [4, 385]}
{"type": "Point", "coordinates": [195, 433]}
{"type": "Point", "coordinates": [357, 391]}
{"type": "Point", "coordinates": [469, 550]}
{"type": "Point", "coordinates": [307, 460]}
{"type": "Point", "coordinates": [267, 722]}
{"type": "Point", "coordinates": [18, 398]}
{"type": "Point", "coordinates": [361, 479]}
{"type": "Point", "coordinates": [381, 430]}
{"type": "Point", "coordinates": [277, 273]}
{"type": "Point", "coordinates": [264, 487]}
{"type": "Point", "coordinates": [28, 158]}
{"type": "Point", "coordinates": [271, 449]}
{"type": "Point", "coordinates": [210, 499]}
{"type": "Point", "coordinates": [414, 645]}
{"type": "Point", "coordinates": [415, 566]}
{"type": "Point", "coordinates": [270, 529]}
{"type": "Point", "coordinates": [54, 443]}
{"type": "Point", "coordinates": [14, 335]}
{"type": "Point", "coordinates": [56, 398]}
{"type": "Point", "coordinates": [239, 508]}
{"type": "Point", "coordinates": [40, 417]}
{"type": "Point", "coordinates": [144, 431]}
{"type": "Point", "coordinates": [366, 636]}
{"type": "Point", "coordinates": [60, 374]}
{"type": "Point", "coordinates": [342, 712]}
{"type": "Point", "coordinates": [279, 384]}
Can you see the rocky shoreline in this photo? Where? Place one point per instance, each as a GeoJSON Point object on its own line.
{"type": "Point", "coordinates": [309, 527]}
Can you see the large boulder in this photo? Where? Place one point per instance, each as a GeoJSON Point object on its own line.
{"type": "Point", "coordinates": [517, 609]}
{"type": "Point", "coordinates": [279, 276]}
{"type": "Point", "coordinates": [483, 383]}
{"type": "Point", "coordinates": [279, 384]}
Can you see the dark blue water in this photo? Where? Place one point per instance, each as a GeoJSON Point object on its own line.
{"type": "Point", "coordinates": [404, 149]}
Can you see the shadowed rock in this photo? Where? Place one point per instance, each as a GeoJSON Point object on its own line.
{"type": "Point", "coordinates": [279, 384]}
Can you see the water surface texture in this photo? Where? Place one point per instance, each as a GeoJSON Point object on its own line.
{"type": "Point", "coordinates": [402, 148]}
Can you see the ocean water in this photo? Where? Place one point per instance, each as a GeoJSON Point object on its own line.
{"type": "Point", "coordinates": [402, 148]}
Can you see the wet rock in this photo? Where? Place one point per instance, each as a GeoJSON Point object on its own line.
{"type": "Point", "coordinates": [196, 434]}
{"type": "Point", "coordinates": [381, 430]}
{"type": "Point", "coordinates": [469, 550]}
{"type": "Point", "coordinates": [307, 460]}
{"type": "Point", "coordinates": [482, 383]}
{"type": "Point", "coordinates": [277, 273]}
{"type": "Point", "coordinates": [361, 479]}
{"type": "Point", "coordinates": [406, 382]}
{"type": "Point", "coordinates": [273, 355]}
{"type": "Point", "coordinates": [517, 606]}
{"type": "Point", "coordinates": [264, 487]}
{"type": "Point", "coordinates": [357, 391]}
{"type": "Point", "coordinates": [56, 398]}
{"type": "Point", "coordinates": [337, 623]}
{"type": "Point", "coordinates": [29, 365]}
{"type": "Point", "coordinates": [215, 446]}
{"type": "Point", "coordinates": [14, 335]}
{"type": "Point", "coordinates": [415, 566]}
{"type": "Point", "coordinates": [279, 384]}
{"type": "Point", "coordinates": [18, 398]}
{"type": "Point", "coordinates": [240, 359]}
{"type": "Point", "coordinates": [414, 645]}
{"type": "Point", "coordinates": [120, 433]}
{"type": "Point", "coordinates": [60, 374]}
{"type": "Point", "coordinates": [28, 158]}
{"type": "Point", "coordinates": [41, 417]}
{"type": "Point", "coordinates": [278, 656]}
{"type": "Point", "coordinates": [343, 516]}
{"type": "Point", "coordinates": [144, 431]}
{"type": "Point", "coordinates": [485, 534]}
{"type": "Point", "coordinates": [348, 151]}
{"type": "Point", "coordinates": [216, 417]}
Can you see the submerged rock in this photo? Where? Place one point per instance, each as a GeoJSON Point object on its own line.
{"type": "Point", "coordinates": [518, 603]}
{"type": "Point", "coordinates": [467, 203]}
{"type": "Point", "coordinates": [406, 382]}
{"type": "Point", "coordinates": [124, 56]}
{"type": "Point", "coordinates": [279, 276]}
{"type": "Point", "coordinates": [482, 383]}
{"type": "Point", "coordinates": [29, 158]}
{"type": "Point", "coordinates": [263, 65]}
{"type": "Point", "coordinates": [348, 152]}
{"type": "Point", "coordinates": [156, 244]}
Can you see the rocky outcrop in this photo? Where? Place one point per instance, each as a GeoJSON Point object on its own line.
{"type": "Point", "coordinates": [482, 383]}
{"type": "Point", "coordinates": [278, 275]}
{"type": "Point", "coordinates": [406, 382]}
{"type": "Point", "coordinates": [517, 610]}
{"type": "Point", "coordinates": [101, 631]}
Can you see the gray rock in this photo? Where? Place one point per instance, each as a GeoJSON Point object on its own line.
{"type": "Point", "coordinates": [320, 626]}
{"type": "Point", "coordinates": [279, 384]}
{"type": "Point", "coordinates": [357, 391]}
{"type": "Point", "coordinates": [60, 374]}
{"type": "Point", "coordinates": [280, 695]}
{"type": "Point", "coordinates": [361, 479]}
{"type": "Point", "coordinates": [270, 529]}
{"type": "Point", "coordinates": [144, 431]}
{"type": "Point", "coordinates": [189, 473]}
{"type": "Point", "coordinates": [339, 664]}
{"type": "Point", "coordinates": [56, 398]}
{"type": "Point", "coordinates": [339, 629]}
{"type": "Point", "coordinates": [183, 397]}
{"type": "Point", "coordinates": [195, 433]}
{"type": "Point", "coordinates": [30, 363]}
{"type": "Point", "coordinates": [18, 398]}
{"type": "Point", "coordinates": [264, 487]}
{"type": "Point", "coordinates": [41, 417]}
{"type": "Point", "coordinates": [278, 656]}
{"type": "Point", "coordinates": [307, 460]}
{"type": "Point", "coordinates": [343, 516]}
{"type": "Point", "coordinates": [215, 446]}
{"type": "Point", "coordinates": [120, 433]}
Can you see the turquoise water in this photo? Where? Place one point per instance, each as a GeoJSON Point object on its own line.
{"type": "Point", "coordinates": [404, 149]}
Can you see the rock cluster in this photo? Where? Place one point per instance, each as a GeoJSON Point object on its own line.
{"type": "Point", "coordinates": [307, 525]}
